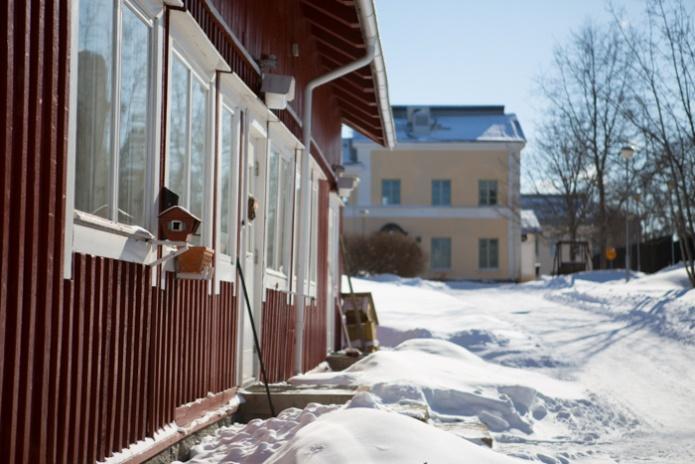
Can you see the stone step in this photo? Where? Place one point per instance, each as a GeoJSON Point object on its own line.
{"type": "Point", "coordinates": [255, 403]}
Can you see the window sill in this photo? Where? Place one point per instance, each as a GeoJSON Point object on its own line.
{"type": "Point", "coordinates": [97, 236]}
{"type": "Point", "coordinates": [126, 230]}
{"type": "Point", "coordinates": [275, 280]}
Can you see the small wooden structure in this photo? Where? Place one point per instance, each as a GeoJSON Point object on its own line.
{"type": "Point", "coordinates": [361, 320]}
{"type": "Point", "coordinates": [176, 223]}
{"type": "Point", "coordinates": [571, 256]}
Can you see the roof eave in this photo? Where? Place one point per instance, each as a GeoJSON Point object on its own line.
{"type": "Point", "coordinates": [370, 29]}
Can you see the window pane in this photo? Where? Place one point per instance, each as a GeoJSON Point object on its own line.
{"type": "Point", "coordinates": [272, 208]}
{"type": "Point", "coordinates": [493, 259]}
{"type": "Point", "coordinates": [93, 169]}
{"type": "Point", "coordinates": [178, 130]}
{"type": "Point", "coordinates": [441, 193]}
{"type": "Point", "coordinates": [226, 156]}
{"type": "Point", "coordinates": [132, 164]}
{"type": "Point", "coordinates": [492, 192]}
{"type": "Point", "coordinates": [482, 253]}
{"type": "Point", "coordinates": [286, 218]}
{"type": "Point", "coordinates": [391, 192]}
{"type": "Point", "coordinates": [314, 231]}
{"type": "Point", "coordinates": [198, 146]}
{"type": "Point", "coordinates": [441, 253]}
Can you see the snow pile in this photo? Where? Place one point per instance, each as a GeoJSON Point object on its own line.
{"type": "Point", "coordinates": [454, 384]}
{"type": "Point", "coordinates": [367, 435]}
{"type": "Point", "coordinates": [257, 441]}
{"type": "Point", "coordinates": [363, 430]}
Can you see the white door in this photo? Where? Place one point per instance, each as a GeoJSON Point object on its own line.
{"type": "Point", "coordinates": [248, 359]}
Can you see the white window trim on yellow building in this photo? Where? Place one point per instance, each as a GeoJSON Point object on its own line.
{"type": "Point", "coordinates": [507, 206]}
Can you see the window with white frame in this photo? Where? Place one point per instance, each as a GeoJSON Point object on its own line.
{"type": "Point", "coordinates": [279, 212]}
{"type": "Point", "coordinates": [390, 191]}
{"type": "Point", "coordinates": [228, 196]}
{"type": "Point", "coordinates": [313, 264]}
{"type": "Point", "coordinates": [114, 111]}
{"type": "Point", "coordinates": [441, 192]}
{"type": "Point", "coordinates": [487, 192]}
{"type": "Point", "coordinates": [188, 138]}
{"type": "Point", "coordinates": [441, 253]}
{"type": "Point", "coordinates": [488, 253]}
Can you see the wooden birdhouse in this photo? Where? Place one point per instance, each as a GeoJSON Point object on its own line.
{"type": "Point", "coordinates": [177, 224]}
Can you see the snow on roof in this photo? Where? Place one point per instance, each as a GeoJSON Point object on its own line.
{"type": "Point", "coordinates": [458, 124]}
{"type": "Point", "coordinates": [529, 221]}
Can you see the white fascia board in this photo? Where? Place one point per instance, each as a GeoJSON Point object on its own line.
{"type": "Point", "coordinates": [370, 29]}
{"type": "Point", "coordinates": [190, 36]}
{"type": "Point", "coordinates": [391, 212]}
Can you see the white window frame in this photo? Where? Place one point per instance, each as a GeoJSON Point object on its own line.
{"type": "Point", "coordinates": [226, 262]}
{"type": "Point", "coordinates": [489, 269]}
{"type": "Point", "coordinates": [440, 184]}
{"type": "Point", "coordinates": [451, 254]}
{"type": "Point", "coordinates": [88, 233]}
{"type": "Point", "coordinates": [312, 268]}
{"type": "Point", "coordinates": [392, 182]}
{"type": "Point", "coordinates": [486, 197]}
{"type": "Point", "coordinates": [207, 78]}
{"type": "Point", "coordinates": [284, 145]}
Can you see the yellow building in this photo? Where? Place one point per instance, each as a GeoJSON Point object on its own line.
{"type": "Point", "coordinates": [452, 182]}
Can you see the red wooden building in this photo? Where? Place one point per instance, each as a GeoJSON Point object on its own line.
{"type": "Point", "coordinates": [103, 344]}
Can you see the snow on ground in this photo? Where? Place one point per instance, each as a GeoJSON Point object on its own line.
{"type": "Point", "coordinates": [362, 431]}
{"type": "Point", "coordinates": [583, 368]}
{"type": "Point", "coordinates": [629, 347]}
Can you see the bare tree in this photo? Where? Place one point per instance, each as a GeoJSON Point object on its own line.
{"type": "Point", "coordinates": [662, 107]}
{"type": "Point", "coordinates": [587, 92]}
{"type": "Point", "coordinates": [563, 168]}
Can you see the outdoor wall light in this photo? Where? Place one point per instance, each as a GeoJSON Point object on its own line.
{"type": "Point", "coordinates": [278, 89]}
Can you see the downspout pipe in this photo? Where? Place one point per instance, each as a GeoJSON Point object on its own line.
{"type": "Point", "coordinates": [304, 232]}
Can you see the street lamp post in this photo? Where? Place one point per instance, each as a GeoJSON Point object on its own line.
{"type": "Point", "coordinates": [627, 152]}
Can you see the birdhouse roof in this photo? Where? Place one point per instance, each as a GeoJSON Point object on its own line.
{"type": "Point", "coordinates": [176, 210]}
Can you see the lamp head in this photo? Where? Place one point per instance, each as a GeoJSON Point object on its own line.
{"type": "Point", "coordinates": [627, 152]}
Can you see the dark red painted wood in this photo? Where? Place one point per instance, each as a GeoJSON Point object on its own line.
{"type": "Point", "coordinates": [95, 363]}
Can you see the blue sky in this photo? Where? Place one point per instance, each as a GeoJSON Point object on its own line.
{"type": "Point", "coordinates": [479, 51]}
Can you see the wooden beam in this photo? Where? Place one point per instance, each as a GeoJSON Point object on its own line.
{"type": "Point", "coordinates": [328, 49]}
{"type": "Point", "coordinates": [342, 13]}
{"type": "Point", "coordinates": [367, 131]}
{"type": "Point", "coordinates": [328, 25]}
{"type": "Point", "coordinates": [363, 99]}
{"type": "Point", "coordinates": [364, 73]}
{"type": "Point", "coordinates": [353, 86]}
{"type": "Point", "coordinates": [357, 109]}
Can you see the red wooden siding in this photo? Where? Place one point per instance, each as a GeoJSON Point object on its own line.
{"type": "Point", "coordinates": [92, 364]}
{"type": "Point", "coordinates": [277, 336]}
{"type": "Point", "coordinates": [133, 353]}
{"type": "Point", "coordinates": [315, 327]}
{"type": "Point", "coordinates": [33, 122]}
{"type": "Point", "coordinates": [314, 335]}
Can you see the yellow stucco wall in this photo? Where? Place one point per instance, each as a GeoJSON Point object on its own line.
{"type": "Point", "coordinates": [464, 234]}
{"type": "Point", "coordinates": [416, 170]}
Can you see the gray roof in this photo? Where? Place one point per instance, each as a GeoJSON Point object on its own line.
{"type": "Point", "coordinates": [529, 222]}
{"type": "Point", "coordinates": [459, 124]}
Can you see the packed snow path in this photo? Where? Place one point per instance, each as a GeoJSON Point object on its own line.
{"type": "Point", "coordinates": [631, 345]}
